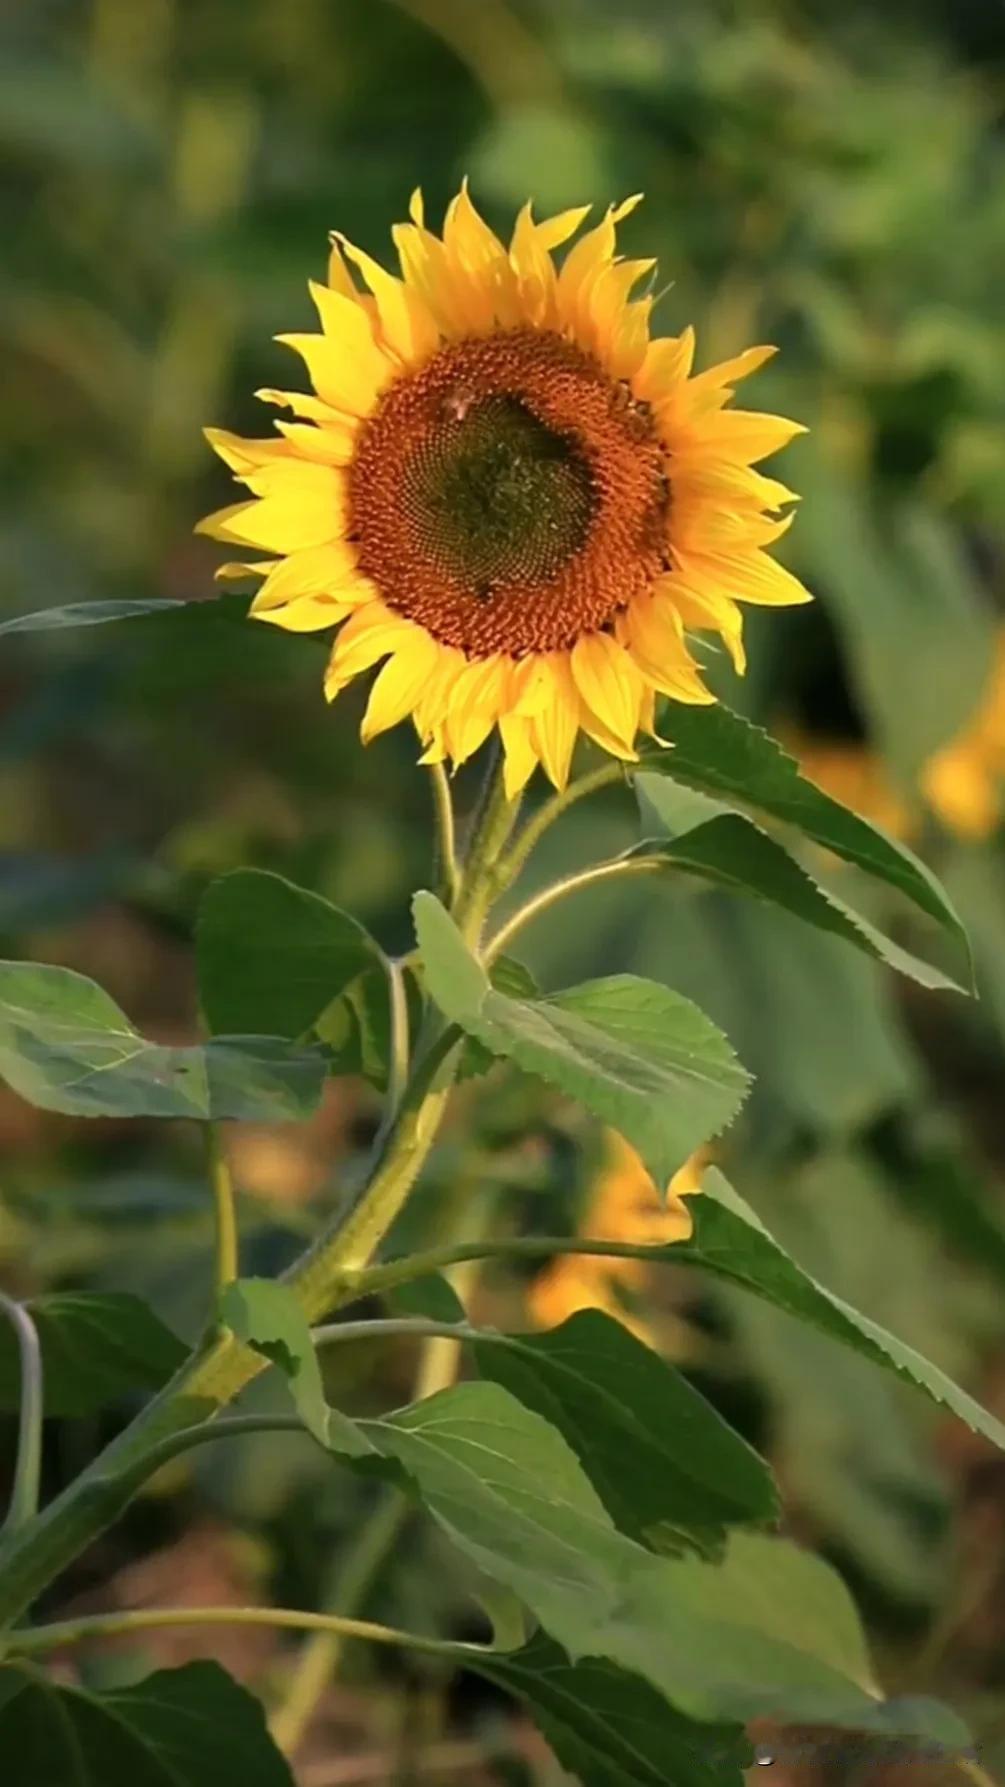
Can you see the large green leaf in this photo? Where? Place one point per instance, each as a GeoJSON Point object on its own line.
{"type": "Point", "coordinates": [730, 1241]}
{"type": "Point", "coordinates": [612, 1729]}
{"type": "Point", "coordinates": [272, 956]}
{"type": "Point", "coordinates": [714, 749]}
{"type": "Point", "coordinates": [767, 1632]}
{"type": "Point", "coordinates": [96, 1346]}
{"type": "Point", "coordinates": [188, 1727]}
{"type": "Point", "coordinates": [88, 614]}
{"type": "Point", "coordinates": [634, 1053]}
{"type": "Point", "coordinates": [704, 837]}
{"type": "Point", "coordinates": [67, 1046]}
{"type": "Point", "coordinates": [663, 1462]}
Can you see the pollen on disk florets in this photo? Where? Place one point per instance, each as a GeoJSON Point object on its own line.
{"type": "Point", "coordinates": [509, 496]}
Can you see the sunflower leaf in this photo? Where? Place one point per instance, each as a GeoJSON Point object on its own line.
{"type": "Point", "coordinates": [610, 1728]}
{"type": "Point", "coordinates": [273, 956]}
{"type": "Point", "coordinates": [729, 1241]}
{"type": "Point", "coordinates": [634, 1053]}
{"type": "Point", "coordinates": [89, 614]}
{"type": "Point", "coordinates": [768, 1631]}
{"type": "Point", "coordinates": [715, 749]}
{"type": "Point", "coordinates": [187, 1727]}
{"type": "Point", "coordinates": [66, 1046]}
{"type": "Point", "coordinates": [664, 1463]}
{"type": "Point", "coordinates": [96, 1347]}
{"type": "Point", "coordinates": [720, 844]}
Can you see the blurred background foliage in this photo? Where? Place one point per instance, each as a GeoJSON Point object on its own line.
{"type": "Point", "coordinates": [829, 178]}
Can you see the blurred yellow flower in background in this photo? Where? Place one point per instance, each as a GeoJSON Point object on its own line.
{"type": "Point", "coordinates": [625, 1205]}
{"type": "Point", "coordinates": [964, 782]}
{"type": "Point", "coordinates": [508, 492]}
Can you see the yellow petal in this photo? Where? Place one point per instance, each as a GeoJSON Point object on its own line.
{"type": "Point", "coordinates": [304, 614]}
{"type": "Point", "coordinates": [371, 633]}
{"type": "Point", "coordinates": [473, 705]}
{"type": "Point", "coordinates": [747, 577]}
{"type": "Point", "coordinates": [534, 270]}
{"type": "Point", "coordinates": [405, 321]}
{"type": "Point", "coordinates": [666, 365]}
{"type": "Point", "coordinates": [346, 368]}
{"type": "Point", "coordinates": [280, 523]}
{"type": "Point", "coordinates": [555, 724]}
{"type": "Point", "coordinates": [433, 705]}
{"type": "Point", "coordinates": [328, 446]}
{"type": "Point", "coordinates": [238, 573]}
{"type": "Point", "coordinates": [743, 435]}
{"type": "Point", "coordinates": [399, 685]}
{"type": "Point", "coordinates": [553, 231]}
{"type": "Point", "coordinates": [292, 476]}
{"type": "Point", "coordinates": [426, 269]}
{"type": "Point", "coordinates": [727, 373]}
{"type": "Point", "coordinates": [654, 636]}
{"type": "Point", "coordinates": [520, 758]}
{"type": "Point", "coordinates": [308, 405]}
{"type": "Point", "coordinates": [320, 570]}
{"type": "Point", "coordinates": [609, 684]}
{"type": "Point", "coordinates": [244, 455]}
{"type": "Point", "coordinates": [339, 277]}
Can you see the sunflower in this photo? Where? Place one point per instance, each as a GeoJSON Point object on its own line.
{"type": "Point", "coordinates": [503, 489]}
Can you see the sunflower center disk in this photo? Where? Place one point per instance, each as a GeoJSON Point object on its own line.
{"type": "Point", "coordinates": [495, 497]}
{"type": "Point", "coordinates": [509, 496]}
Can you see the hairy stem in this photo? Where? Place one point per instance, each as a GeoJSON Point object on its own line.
{"type": "Point", "coordinates": [443, 804]}
{"type": "Point", "coordinates": [560, 890]}
{"type": "Point", "coordinates": [114, 1625]}
{"type": "Point", "coordinates": [378, 1279]}
{"type": "Point", "coordinates": [533, 830]}
{"type": "Point", "coordinates": [28, 1469]}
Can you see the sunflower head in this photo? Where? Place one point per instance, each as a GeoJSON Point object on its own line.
{"type": "Point", "coordinates": [506, 493]}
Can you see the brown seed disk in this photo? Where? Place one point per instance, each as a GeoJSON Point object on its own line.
{"type": "Point", "coordinates": [509, 496]}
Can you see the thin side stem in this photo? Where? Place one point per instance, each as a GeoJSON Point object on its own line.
{"type": "Point", "coordinates": [443, 802]}
{"type": "Point", "coordinates": [533, 830]}
{"type": "Point", "coordinates": [227, 1258]}
{"type": "Point", "coordinates": [28, 1468]}
{"type": "Point", "coordinates": [114, 1625]}
{"type": "Point", "coordinates": [560, 890]}
{"type": "Point", "coordinates": [379, 1279]}
{"type": "Point", "coordinates": [392, 1327]}
{"type": "Point", "coordinates": [493, 823]}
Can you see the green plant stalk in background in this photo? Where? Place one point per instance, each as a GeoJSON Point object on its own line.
{"type": "Point", "coordinates": [34, 1552]}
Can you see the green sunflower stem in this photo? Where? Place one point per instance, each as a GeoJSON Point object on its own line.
{"type": "Point", "coordinates": [531, 833]}
{"type": "Point", "coordinates": [443, 804]}
{"type": "Point", "coordinates": [36, 1551]}
{"type": "Point", "coordinates": [560, 890]}
{"type": "Point", "coordinates": [491, 828]}
{"type": "Point", "coordinates": [28, 1469]}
